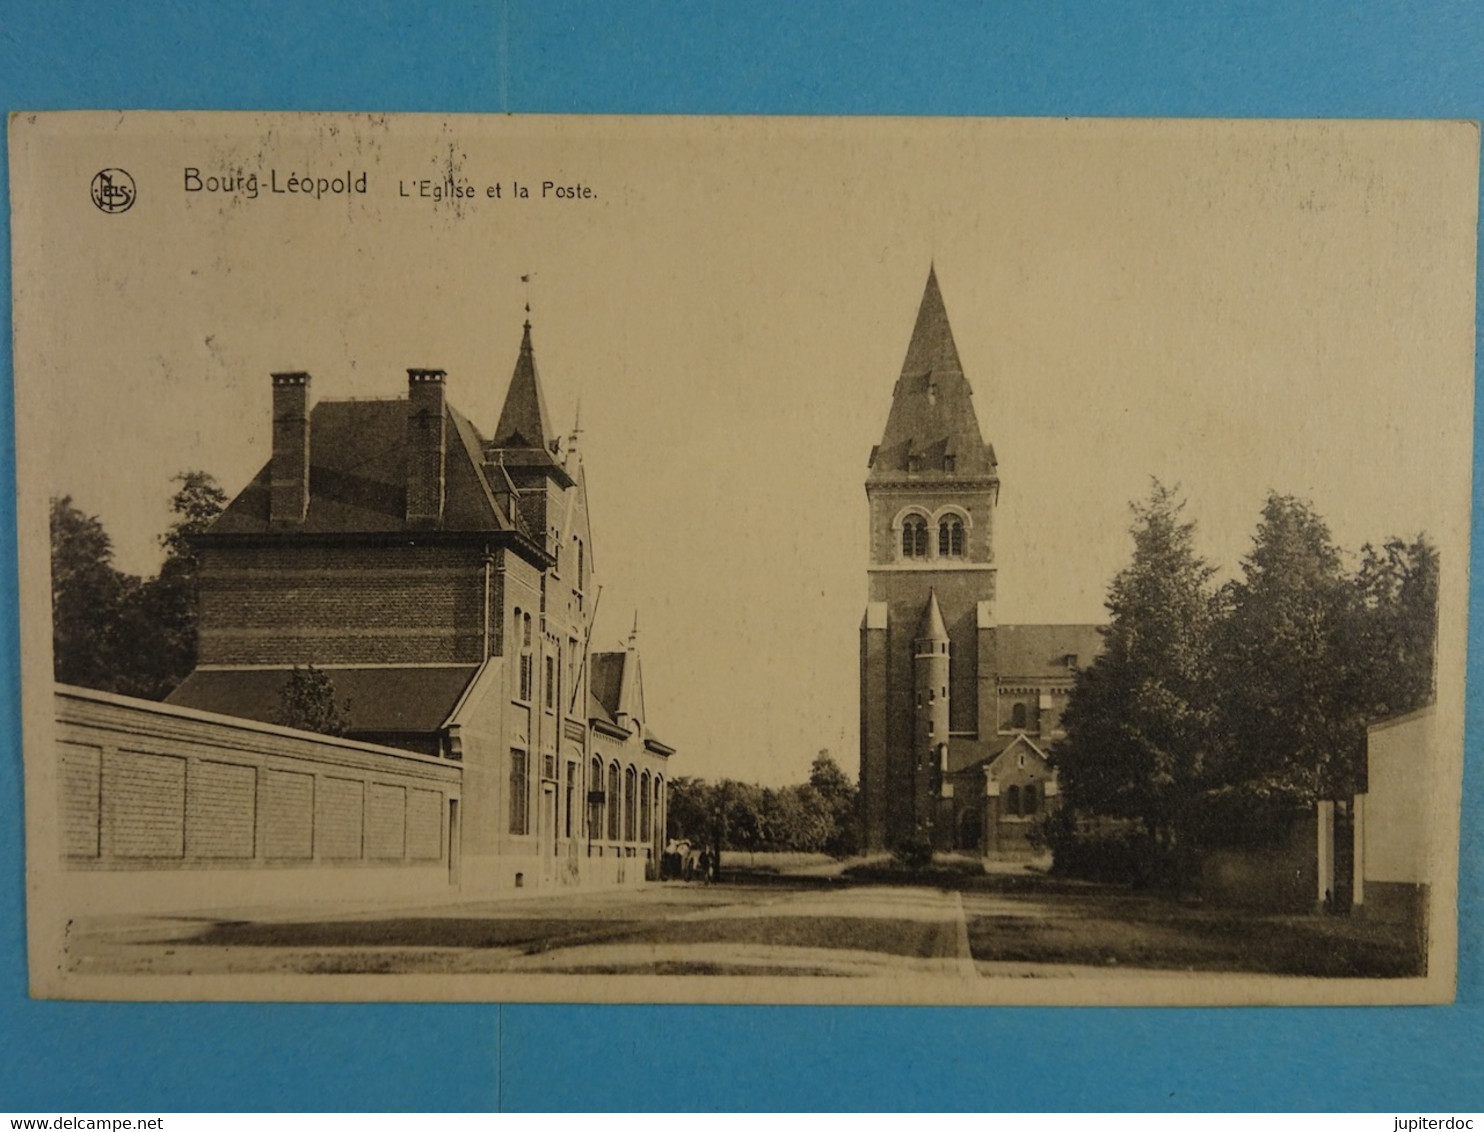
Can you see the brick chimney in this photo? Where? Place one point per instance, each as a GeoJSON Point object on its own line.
{"type": "Point", "coordinates": [288, 475]}
{"type": "Point", "coordinates": [426, 447]}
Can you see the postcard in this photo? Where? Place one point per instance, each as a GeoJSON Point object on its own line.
{"type": "Point", "coordinates": [937, 561]}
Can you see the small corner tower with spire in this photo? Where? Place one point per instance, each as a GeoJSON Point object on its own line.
{"type": "Point", "coordinates": [927, 640]}
{"type": "Point", "coordinates": [931, 718]}
{"type": "Point", "coordinates": [523, 458]}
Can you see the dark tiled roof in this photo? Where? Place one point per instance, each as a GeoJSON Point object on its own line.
{"type": "Point", "coordinates": [524, 421]}
{"type": "Point", "coordinates": [1041, 651]}
{"type": "Point", "coordinates": [605, 682]}
{"type": "Point", "coordinates": [931, 627]}
{"type": "Point", "coordinates": [965, 754]}
{"type": "Point", "coordinates": [358, 476]}
{"type": "Point", "coordinates": [382, 700]}
{"type": "Point", "coordinates": [969, 755]}
{"type": "Point", "coordinates": [523, 438]}
{"type": "Point", "coordinates": [605, 689]}
{"type": "Point", "coordinates": [932, 409]}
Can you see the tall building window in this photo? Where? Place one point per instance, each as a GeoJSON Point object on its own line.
{"type": "Point", "coordinates": [1012, 801]}
{"type": "Point", "coordinates": [520, 804]}
{"type": "Point", "coordinates": [551, 683]}
{"type": "Point", "coordinates": [630, 803]}
{"type": "Point", "coordinates": [579, 583]}
{"type": "Point", "coordinates": [615, 802]}
{"type": "Point", "coordinates": [1028, 799]}
{"type": "Point", "coordinates": [574, 674]}
{"type": "Point", "coordinates": [1017, 717]}
{"type": "Point", "coordinates": [524, 627]}
{"type": "Point", "coordinates": [646, 815]}
{"type": "Point", "coordinates": [914, 537]}
{"type": "Point", "coordinates": [595, 800]}
{"type": "Point", "coordinates": [951, 537]}
{"type": "Point", "coordinates": [567, 817]}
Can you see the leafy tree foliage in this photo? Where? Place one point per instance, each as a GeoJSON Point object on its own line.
{"type": "Point", "coordinates": [307, 701]}
{"type": "Point", "coordinates": [195, 505]}
{"type": "Point", "coordinates": [167, 604]}
{"type": "Point", "coordinates": [688, 804]}
{"type": "Point", "coordinates": [1399, 592]}
{"type": "Point", "coordinates": [1137, 719]}
{"type": "Point", "coordinates": [87, 593]}
{"type": "Point", "coordinates": [840, 799]}
{"type": "Point", "coordinates": [814, 816]}
{"type": "Point", "coordinates": [1291, 705]}
{"type": "Point", "coordinates": [113, 631]}
{"type": "Point", "coordinates": [1216, 716]}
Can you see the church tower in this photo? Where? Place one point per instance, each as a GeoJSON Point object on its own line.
{"type": "Point", "coordinates": [928, 638]}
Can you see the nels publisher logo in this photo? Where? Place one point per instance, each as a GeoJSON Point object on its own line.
{"type": "Point", "coordinates": [113, 190]}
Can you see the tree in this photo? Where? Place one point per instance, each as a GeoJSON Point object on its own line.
{"type": "Point", "coordinates": [840, 798]}
{"type": "Point", "coordinates": [307, 701]}
{"type": "Point", "coordinates": [1216, 717]}
{"type": "Point", "coordinates": [803, 817]}
{"type": "Point", "coordinates": [1137, 720]}
{"type": "Point", "coordinates": [87, 596]}
{"type": "Point", "coordinates": [737, 816]}
{"type": "Point", "coordinates": [195, 505]}
{"type": "Point", "coordinates": [796, 819]}
{"type": "Point", "coordinates": [165, 610]}
{"type": "Point", "coordinates": [1294, 674]}
{"type": "Point", "coordinates": [113, 631]}
{"type": "Point", "coordinates": [689, 807]}
{"type": "Point", "coordinates": [1398, 587]}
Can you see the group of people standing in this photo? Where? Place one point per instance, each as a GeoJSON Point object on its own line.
{"type": "Point", "coordinates": [683, 861]}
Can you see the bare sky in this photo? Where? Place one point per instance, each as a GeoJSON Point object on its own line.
{"type": "Point", "coordinates": [1233, 306]}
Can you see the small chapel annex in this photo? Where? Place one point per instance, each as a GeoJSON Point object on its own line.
{"type": "Point", "coordinates": [957, 710]}
{"type": "Point", "coordinates": [444, 582]}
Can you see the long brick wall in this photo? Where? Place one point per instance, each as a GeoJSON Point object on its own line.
{"type": "Point", "coordinates": [146, 788]}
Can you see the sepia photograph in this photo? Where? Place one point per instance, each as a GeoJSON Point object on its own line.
{"type": "Point", "coordinates": [649, 559]}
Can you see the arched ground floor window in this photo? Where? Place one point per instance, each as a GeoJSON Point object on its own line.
{"type": "Point", "coordinates": [646, 814]}
{"type": "Point", "coordinates": [614, 801]}
{"type": "Point", "coordinates": [970, 829]}
{"type": "Point", "coordinates": [630, 800]}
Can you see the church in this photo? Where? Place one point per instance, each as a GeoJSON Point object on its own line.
{"type": "Point", "coordinates": [957, 711]}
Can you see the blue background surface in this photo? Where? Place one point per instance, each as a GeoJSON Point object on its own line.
{"type": "Point", "coordinates": [1271, 59]}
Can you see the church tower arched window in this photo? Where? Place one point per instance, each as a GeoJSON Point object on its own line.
{"type": "Point", "coordinates": [951, 537]}
{"type": "Point", "coordinates": [914, 537]}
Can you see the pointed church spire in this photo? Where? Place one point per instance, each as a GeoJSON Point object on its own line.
{"type": "Point", "coordinates": [631, 683]}
{"type": "Point", "coordinates": [932, 348]}
{"type": "Point", "coordinates": [523, 420]}
{"type": "Point", "coordinates": [932, 429]}
{"type": "Point", "coordinates": [573, 455]}
{"type": "Point", "coordinates": [931, 627]}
